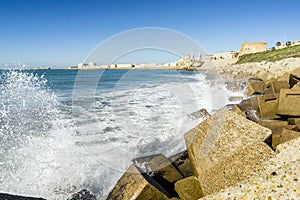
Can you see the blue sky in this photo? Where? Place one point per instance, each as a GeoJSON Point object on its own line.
{"type": "Point", "coordinates": [63, 32]}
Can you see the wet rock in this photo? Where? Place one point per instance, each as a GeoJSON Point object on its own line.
{"type": "Point", "coordinates": [160, 166]}
{"type": "Point", "coordinates": [135, 186]}
{"type": "Point", "coordinates": [83, 195]}
{"type": "Point", "coordinates": [249, 104]}
{"type": "Point", "coordinates": [202, 113]}
{"type": "Point", "coordinates": [235, 98]}
{"type": "Point", "coordinates": [189, 188]}
{"type": "Point", "coordinates": [182, 163]}
{"type": "Point", "coordinates": [4, 196]}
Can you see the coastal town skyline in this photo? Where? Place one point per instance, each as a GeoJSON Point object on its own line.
{"type": "Point", "coordinates": [62, 33]}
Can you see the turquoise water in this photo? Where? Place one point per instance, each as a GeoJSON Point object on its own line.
{"type": "Point", "coordinates": [62, 131]}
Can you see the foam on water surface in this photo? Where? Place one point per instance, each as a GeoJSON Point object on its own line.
{"type": "Point", "coordinates": [52, 148]}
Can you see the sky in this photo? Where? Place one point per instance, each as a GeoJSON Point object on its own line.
{"type": "Point", "coordinates": [62, 33]}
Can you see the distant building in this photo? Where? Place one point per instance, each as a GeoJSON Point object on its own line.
{"type": "Point", "coordinates": [252, 47]}
{"type": "Point", "coordinates": [284, 44]}
{"type": "Point", "coordinates": [221, 56]}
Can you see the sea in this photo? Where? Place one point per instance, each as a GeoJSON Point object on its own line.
{"type": "Point", "coordinates": [65, 130]}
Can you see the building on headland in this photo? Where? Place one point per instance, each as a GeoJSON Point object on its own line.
{"type": "Point", "coordinates": [252, 47]}
{"type": "Point", "coordinates": [287, 44]}
{"type": "Point", "coordinates": [223, 55]}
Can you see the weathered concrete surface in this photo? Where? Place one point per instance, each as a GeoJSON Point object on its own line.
{"type": "Point", "coordinates": [294, 77]}
{"type": "Point", "coordinates": [249, 104]}
{"type": "Point", "coordinates": [282, 135]}
{"type": "Point", "coordinates": [272, 123]}
{"type": "Point", "coordinates": [236, 168]}
{"type": "Point", "coordinates": [160, 166]}
{"type": "Point", "coordinates": [268, 106]}
{"type": "Point", "coordinates": [132, 186]}
{"type": "Point", "coordinates": [279, 180]}
{"type": "Point", "coordinates": [219, 137]}
{"type": "Point", "coordinates": [273, 87]}
{"type": "Point", "coordinates": [255, 87]}
{"type": "Point", "coordinates": [182, 163]}
{"type": "Point", "coordinates": [235, 108]}
{"type": "Point", "coordinates": [288, 103]}
{"type": "Point", "coordinates": [189, 188]}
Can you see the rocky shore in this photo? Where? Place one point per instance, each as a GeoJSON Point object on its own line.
{"type": "Point", "coordinates": [249, 150]}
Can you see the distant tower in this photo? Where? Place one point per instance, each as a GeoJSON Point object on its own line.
{"type": "Point", "coordinates": [199, 57]}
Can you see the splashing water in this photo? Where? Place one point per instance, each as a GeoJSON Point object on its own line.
{"type": "Point", "coordinates": [47, 152]}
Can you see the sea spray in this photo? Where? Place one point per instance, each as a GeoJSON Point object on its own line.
{"type": "Point", "coordinates": [52, 152]}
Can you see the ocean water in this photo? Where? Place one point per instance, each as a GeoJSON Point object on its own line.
{"type": "Point", "coordinates": [62, 131]}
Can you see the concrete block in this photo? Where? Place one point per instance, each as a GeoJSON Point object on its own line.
{"type": "Point", "coordinates": [235, 108]}
{"type": "Point", "coordinates": [272, 123]}
{"type": "Point", "coordinates": [282, 135]}
{"type": "Point", "coordinates": [268, 106]}
{"type": "Point", "coordinates": [160, 166]}
{"type": "Point", "coordinates": [132, 186]}
{"type": "Point", "coordinates": [256, 87]}
{"type": "Point", "coordinates": [202, 114]}
{"type": "Point", "coordinates": [182, 163]}
{"type": "Point", "coordinates": [219, 137]}
{"type": "Point", "coordinates": [249, 104]}
{"type": "Point", "coordinates": [236, 168]}
{"type": "Point", "coordinates": [288, 103]}
{"type": "Point", "coordinates": [296, 86]}
{"type": "Point", "coordinates": [284, 77]}
{"type": "Point", "coordinates": [275, 86]}
{"type": "Point", "coordinates": [189, 188]}
{"type": "Point", "coordinates": [294, 77]}
{"type": "Point", "coordinates": [295, 121]}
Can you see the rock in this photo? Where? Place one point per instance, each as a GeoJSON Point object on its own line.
{"type": "Point", "coordinates": [182, 163]}
{"type": "Point", "coordinates": [133, 185]}
{"type": "Point", "coordinates": [160, 166]}
{"type": "Point", "coordinates": [235, 98]}
{"type": "Point", "coordinates": [83, 195]}
{"type": "Point", "coordinates": [282, 135]}
{"type": "Point", "coordinates": [263, 75]}
{"type": "Point", "coordinates": [279, 180]}
{"type": "Point", "coordinates": [294, 77]}
{"type": "Point", "coordinates": [220, 137]}
{"type": "Point", "coordinates": [295, 121]}
{"type": "Point", "coordinates": [249, 104]}
{"type": "Point", "coordinates": [189, 188]}
{"type": "Point", "coordinates": [202, 113]}
{"type": "Point", "coordinates": [4, 196]}
{"type": "Point", "coordinates": [236, 168]}
{"type": "Point", "coordinates": [288, 103]}
{"type": "Point", "coordinates": [273, 87]}
{"type": "Point", "coordinates": [257, 87]}
{"type": "Point", "coordinates": [268, 106]}
{"type": "Point", "coordinates": [271, 123]}
{"type": "Point", "coordinates": [235, 108]}
{"type": "Point", "coordinates": [284, 77]}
